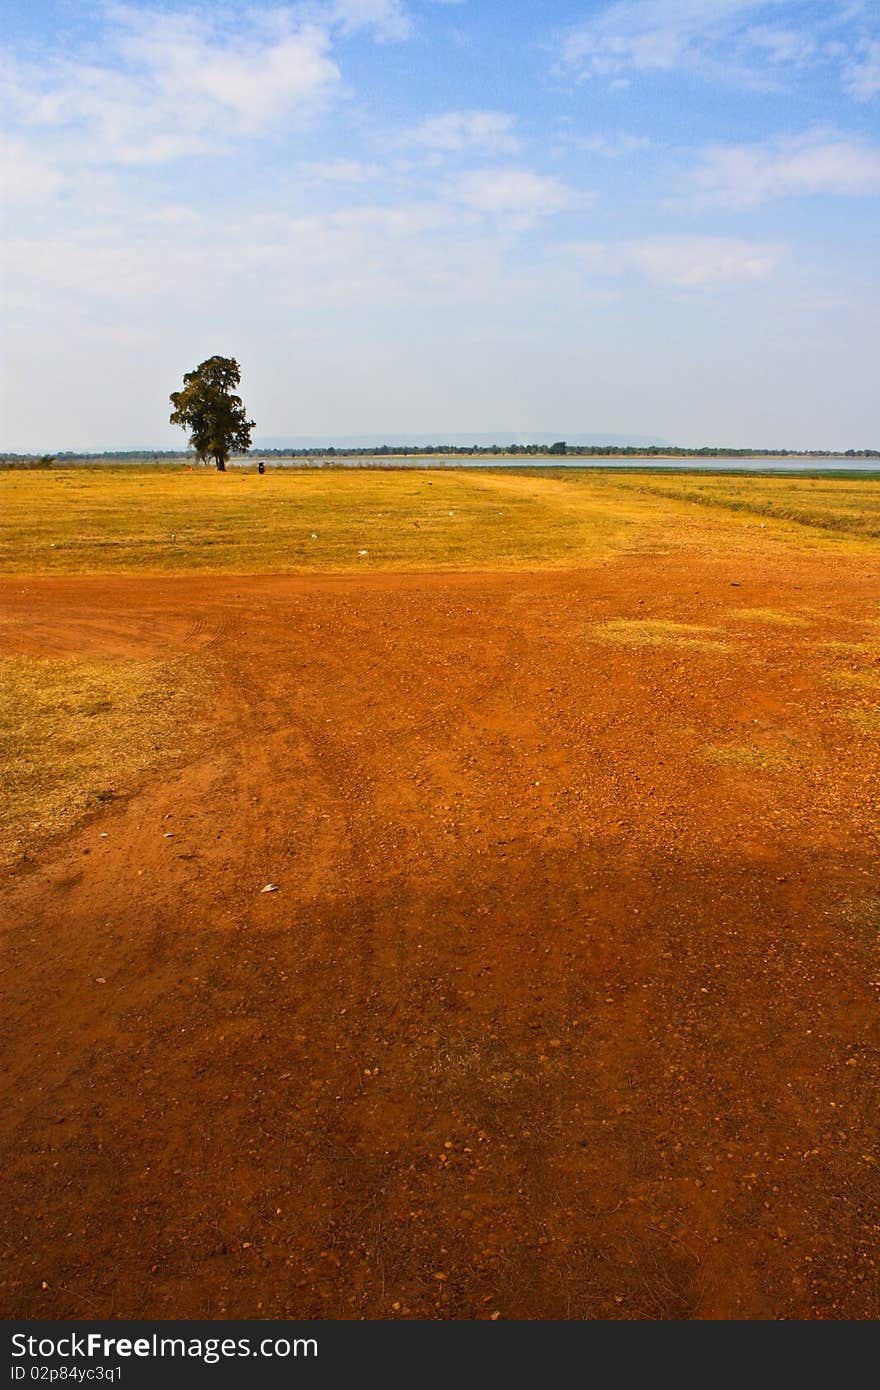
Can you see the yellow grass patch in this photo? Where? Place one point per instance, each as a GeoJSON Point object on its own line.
{"type": "Point", "coordinates": [861, 918]}
{"type": "Point", "coordinates": [869, 648]}
{"type": "Point", "coordinates": [94, 521]}
{"type": "Point", "coordinates": [749, 757]}
{"type": "Point", "coordinates": [167, 520]}
{"type": "Point", "coordinates": [77, 734]}
{"type": "Point", "coordinates": [657, 632]}
{"type": "Point", "coordinates": [855, 680]}
{"type": "Point", "coordinates": [768, 615]}
{"type": "Point", "coordinates": [843, 510]}
{"type": "Point", "coordinates": [867, 721]}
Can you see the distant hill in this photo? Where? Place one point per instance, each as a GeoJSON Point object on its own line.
{"type": "Point", "coordinates": [455, 441]}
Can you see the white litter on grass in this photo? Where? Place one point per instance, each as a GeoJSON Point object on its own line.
{"type": "Point", "coordinates": [270, 888]}
{"type": "Point", "coordinates": [363, 552]}
{"type": "Point", "coordinates": [314, 535]}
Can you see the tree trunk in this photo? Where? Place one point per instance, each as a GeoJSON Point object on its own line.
{"type": "Point", "coordinates": [221, 463]}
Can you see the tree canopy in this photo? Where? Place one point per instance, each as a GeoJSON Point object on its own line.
{"type": "Point", "coordinates": [208, 407]}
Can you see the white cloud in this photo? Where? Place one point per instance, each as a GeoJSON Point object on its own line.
{"type": "Point", "coordinates": [747, 175]}
{"type": "Point", "coordinates": [517, 192]}
{"type": "Point", "coordinates": [613, 146]}
{"type": "Point", "coordinates": [788, 46]}
{"type": "Point", "coordinates": [725, 40]}
{"type": "Point", "coordinates": [453, 131]}
{"type": "Point", "coordinates": [183, 263]}
{"type": "Point", "coordinates": [342, 171]}
{"type": "Point", "coordinates": [685, 262]}
{"type": "Point", "coordinates": [861, 77]}
{"type": "Point", "coordinates": [387, 19]}
{"type": "Point", "coordinates": [171, 85]}
{"type": "Point", "coordinates": [650, 34]}
{"type": "Point", "coordinates": [24, 176]}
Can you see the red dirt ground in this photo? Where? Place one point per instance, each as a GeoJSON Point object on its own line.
{"type": "Point", "coordinates": [551, 1015]}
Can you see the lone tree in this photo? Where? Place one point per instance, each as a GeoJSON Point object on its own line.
{"type": "Point", "coordinates": [214, 416]}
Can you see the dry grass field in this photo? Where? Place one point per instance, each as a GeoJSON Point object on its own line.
{"type": "Point", "coordinates": [564, 1002]}
{"type": "Point", "coordinates": [167, 521]}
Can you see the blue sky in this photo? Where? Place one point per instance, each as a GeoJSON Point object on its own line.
{"type": "Point", "coordinates": [656, 217]}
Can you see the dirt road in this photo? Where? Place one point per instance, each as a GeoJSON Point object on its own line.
{"type": "Point", "coordinates": [565, 1004]}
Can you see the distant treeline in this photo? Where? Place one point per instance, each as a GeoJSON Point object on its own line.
{"type": "Point", "coordinates": [426, 451]}
{"type": "Point", "coordinates": [555, 450]}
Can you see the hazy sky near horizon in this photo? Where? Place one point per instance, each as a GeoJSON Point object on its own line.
{"type": "Point", "coordinates": [656, 217]}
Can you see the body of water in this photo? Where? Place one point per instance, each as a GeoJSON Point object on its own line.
{"type": "Point", "coordinates": [756, 464]}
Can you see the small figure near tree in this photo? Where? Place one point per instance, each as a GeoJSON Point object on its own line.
{"type": "Point", "coordinates": [213, 414]}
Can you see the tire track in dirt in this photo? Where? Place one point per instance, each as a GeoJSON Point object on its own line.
{"type": "Point", "coordinates": [543, 1003]}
